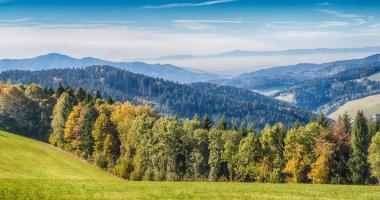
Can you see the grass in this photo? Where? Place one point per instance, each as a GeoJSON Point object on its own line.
{"type": "Point", "coordinates": [370, 105]}
{"type": "Point", "coordinates": [33, 170]}
{"type": "Point", "coordinates": [375, 77]}
{"type": "Point", "coordinates": [26, 158]}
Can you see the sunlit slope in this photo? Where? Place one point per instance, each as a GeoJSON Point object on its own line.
{"type": "Point", "coordinates": [370, 105]}
{"type": "Point", "coordinates": [26, 158]}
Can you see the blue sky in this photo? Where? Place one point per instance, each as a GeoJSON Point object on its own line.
{"type": "Point", "coordinates": [127, 30]}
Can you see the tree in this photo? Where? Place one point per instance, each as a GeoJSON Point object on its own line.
{"type": "Point", "coordinates": [106, 142]}
{"type": "Point", "coordinates": [78, 127]}
{"type": "Point", "coordinates": [61, 111]}
{"type": "Point", "coordinates": [44, 106]}
{"type": "Point", "coordinates": [231, 146]}
{"type": "Point", "coordinates": [248, 158]}
{"type": "Point", "coordinates": [358, 164]}
{"type": "Point", "coordinates": [80, 94]}
{"type": "Point", "coordinates": [222, 123]}
{"type": "Point", "coordinates": [200, 154]}
{"type": "Point", "coordinates": [272, 141]}
{"type": "Point", "coordinates": [206, 122]}
{"type": "Point", "coordinates": [58, 90]}
{"type": "Point", "coordinates": [142, 164]}
{"type": "Point", "coordinates": [340, 137]}
{"type": "Point", "coordinates": [299, 144]}
{"type": "Point", "coordinates": [169, 159]}
{"type": "Point", "coordinates": [215, 157]}
{"type": "Point", "coordinates": [323, 149]}
{"type": "Point", "coordinates": [374, 156]}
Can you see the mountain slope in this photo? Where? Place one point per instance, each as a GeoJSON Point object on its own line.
{"type": "Point", "coordinates": [168, 97]}
{"type": "Point", "coordinates": [54, 60]}
{"type": "Point", "coordinates": [25, 158]}
{"type": "Point", "coordinates": [326, 94]}
{"type": "Point", "coordinates": [293, 75]}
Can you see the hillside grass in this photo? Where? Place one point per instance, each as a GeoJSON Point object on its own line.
{"type": "Point", "coordinates": [375, 77]}
{"type": "Point", "coordinates": [26, 158]}
{"type": "Point", "coordinates": [34, 170]}
{"type": "Point", "coordinates": [369, 105]}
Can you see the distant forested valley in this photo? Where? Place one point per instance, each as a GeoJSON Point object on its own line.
{"type": "Point", "coordinates": [170, 98]}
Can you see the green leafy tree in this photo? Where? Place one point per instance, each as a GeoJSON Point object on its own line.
{"type": "Point", "coordinates": [231, 146]}
{"type": "Point", "coordinates": [216, 150]}
{"type": "Point", "coordinates": [106, 142]}
{"type": "Point", "coordinates": [272, 141]}
{"type": "Point", "coordinates": [61, 111]}
{"type": "Point", "coordinates": [299, 145]}
{"type": "Point", "coordinates": [358, 164]}
{"type": "Point", "coordinates": [374, 156]}
{"type": "Point", "coordinates": [169, 159]}
{"type": "Point", "coordinates": [248, 158]}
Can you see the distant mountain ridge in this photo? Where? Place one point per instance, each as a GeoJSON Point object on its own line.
{"type": "Point", "coordinates": [55, 60]}
{"type": "Point", "coordinates": [243, 53]}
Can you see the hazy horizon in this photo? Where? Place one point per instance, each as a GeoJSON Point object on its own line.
{"type": "Point", "coordinates": [129, 30]}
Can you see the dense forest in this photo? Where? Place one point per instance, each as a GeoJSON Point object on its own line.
{"type": "Point", "coordinates": [326, 94]}
{"type": "Point", "coordinates": [170, 98]}
{"type": "Point", "coordinates": [135, 143]}
{"type": "Point", "coordinates": [286, 77]}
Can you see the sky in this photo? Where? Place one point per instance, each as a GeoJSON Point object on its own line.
{"type": "Point", "coordinates": [126, 30]}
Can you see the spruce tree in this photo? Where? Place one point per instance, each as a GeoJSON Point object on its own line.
{"type": "Point", "coordinates": [59, 90]}
{"type": "Point", "coordinates": [222, 123]}
{"type": "Point", "coordinates": [357, 163]}
{"type": "Point", "coordinates": [207, 123]}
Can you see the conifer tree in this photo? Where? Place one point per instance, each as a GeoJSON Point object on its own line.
{"type": "Point", "coordinates": [358, 164]}
{"type": "Point", "coordinates": [206, 122]}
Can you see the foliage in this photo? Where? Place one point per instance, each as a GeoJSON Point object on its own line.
{"type": "Point", "coordinates": [374, 156]}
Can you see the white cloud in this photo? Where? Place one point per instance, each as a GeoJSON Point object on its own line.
{"type": "Point", "coordinates": [181, 5]}
{"type": "Point", "coordinates": [332, 24]}
{"type": "Point", "coordinates": [359, 21]}
{"type": "Point", "coordinates": [305, 25]}
{"type": "Point", "coordinates": [338, 13]}
{"type": "Point", "coordinates": [19, 20]}
{"type": "Point", "coordinates": [203, 24]}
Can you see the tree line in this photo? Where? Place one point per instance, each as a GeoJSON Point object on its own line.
{"type": "Point", "coordinates": [135, 143]}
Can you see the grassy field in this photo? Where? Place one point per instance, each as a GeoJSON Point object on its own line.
{"type": "Point", "coordinates": [375, 77]}
{"type": "Point", "coordinates": [26, 158]}
{"type": "Point", "coordinates": [33, 170]}
{"type": "Point", "coordinates": [370, 105]}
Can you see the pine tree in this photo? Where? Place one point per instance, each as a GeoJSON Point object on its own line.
{"type": "Point", "coordinates": [358, 164]}
{"type": "Point", "coordinates": [222, 123]}
{"type": "Point", "coordinates": [206, 122]}
{"type": "Point", "coordinates": [80, 94]}
{"type": "Point", "coordinates": [58, 90]}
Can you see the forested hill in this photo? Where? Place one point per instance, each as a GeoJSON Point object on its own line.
{"type": "Point", "coordinates": [55, 60]}
{"type": "Point", "coordinates": [168, 97]}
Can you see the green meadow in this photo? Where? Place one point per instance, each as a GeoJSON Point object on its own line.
{"type": "Point", "coordinates": [30, 169]}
